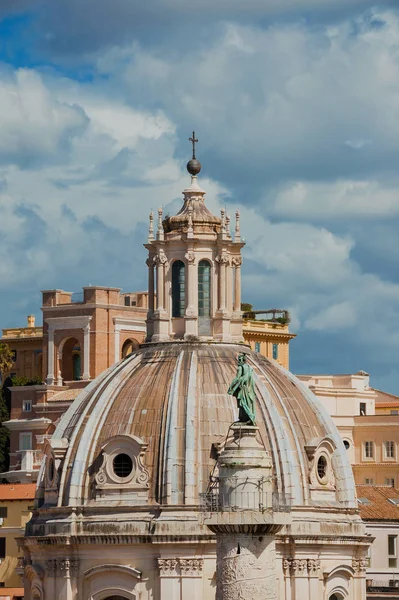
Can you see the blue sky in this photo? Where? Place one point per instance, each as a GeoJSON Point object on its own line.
{"type": "Point", "coordinates": [296, 106]}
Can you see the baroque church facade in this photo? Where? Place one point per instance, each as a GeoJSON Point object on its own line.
{"type": "Point", "coordinates": [151, 490]}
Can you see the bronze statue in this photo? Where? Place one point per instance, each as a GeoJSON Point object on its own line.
{"type": "Point", "coordinates": [243, 389]}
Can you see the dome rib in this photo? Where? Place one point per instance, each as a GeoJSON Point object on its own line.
{"type": "Point", "coordinates": [173, 396]}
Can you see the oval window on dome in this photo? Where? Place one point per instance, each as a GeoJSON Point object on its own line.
{"type": "Point", "coordinates": [123, 465]}
{"type": "Point", "coordinates": [322, 468]}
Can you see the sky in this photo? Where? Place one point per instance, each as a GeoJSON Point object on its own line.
{"type": "Point", "coordinates": [296, 107]}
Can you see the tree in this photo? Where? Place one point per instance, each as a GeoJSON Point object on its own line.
{"type": "Point", "coordinates": [6, 360]}
{"type": "Point", "coordinates": [4, 435]}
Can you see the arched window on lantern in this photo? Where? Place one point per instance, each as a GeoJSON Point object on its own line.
{"type": "Point", "coordinates": [178, 288]}
{"type": "Point", "coordinates": [204, 289]}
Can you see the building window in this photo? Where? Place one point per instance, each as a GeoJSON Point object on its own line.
{"type": "Point", "coordinates": [3, 512]}
{"type": "Point", "coordinates": [123, 465]}
{"type": "Point", "coordinates": [204, 289]}
{"type": "Point", "coordinates": [394, 412]}
{"type": "Point", "coordinates": [392, 551]}
{"type": "Point", "coordinates": [2, 547]}
{"type": "Point", "coordinates": [14, 355]}
{"type": "Point", "coordinates": [26, 405]}
{"type": "Point", "coordinates": [25, 441]}
{"type": "Point", "coordinates": [257, 346]}
{"type": "Point", "coordinates": [178, 288]}
{"type": "Point", "coordinates": [347, 445]}
{"type": "Point", "coordinates": [389, 448]}
{"type": "Point", "coordinates": [275, 351]}
{"type": "Point", "coordinates": [362, 409]}
{"type": "Point", "coordinates": [390, 481]}
{"type": "Point", "coordinates": [369, 481]}
{"type": "Point", "coordinates": [369, 449]}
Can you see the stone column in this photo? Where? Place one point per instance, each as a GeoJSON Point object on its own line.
{"type": "Point", "coordinates": [50, 357]}
{"type": "Point", "coordinates": [191, 578]}
{"type": "Point", "coordinates": [151, 304]}
{"type": "Point", "coordinates": [161, 259]}
{"type": "Point", "coordinates": [299, 573]}
{"type": "Point", "coordinates": [191, 314]}
{"type": "Point", "coordinates": [59, 365]}
{"type": "Point", "coordinates": [168, 578]}
{"type": "Point", "coordinates": [86, 352]}
{"type": "Point", "coordinates": [222, 260]}
{"type": "Point", "coordinates": [245, 522]}
{"type": "Point", "coordinates": [160, 317]}
{"type": "Point", "coordinates": [359, 581]}
{"type": "Point", "coordinates": [245, 567]}
{"type": "Point", "coordinates": [314, 565]}
{"type": "Point", "coordinates": [237, 262]}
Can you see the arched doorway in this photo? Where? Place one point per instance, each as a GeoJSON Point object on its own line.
{"type": "Point", "coordinates": [115, 598]}
{"type": "Point", "coordinates": [129, 346]}
{"type": "Point", "coordinates": [70, 360]}
{"type": "Point", "coordinates": [333, 597]}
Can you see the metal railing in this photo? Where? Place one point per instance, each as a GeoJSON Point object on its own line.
{"type": "Point", "coordinates": [376, 585]}
{"type": "Point", "coordinates": [237, 500]}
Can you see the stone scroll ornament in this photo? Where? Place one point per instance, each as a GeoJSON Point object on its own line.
{"type": "Point", "coordinates": [243, 389]}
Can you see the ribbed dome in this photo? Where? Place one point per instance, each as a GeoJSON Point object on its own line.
{"type": "Point", "coordinates": [202, 218]}
{"type": "Point", "coordinates": [173, 396]}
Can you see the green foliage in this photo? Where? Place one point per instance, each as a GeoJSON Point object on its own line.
{"type": "Point", "coordinates": [247, 310]}
{"type": "Point", "coordinates": [26, 381]}
{"type": "Point", "coordinates": [6, 360]}
{"type": "Point", "coordinates": [4, 436]}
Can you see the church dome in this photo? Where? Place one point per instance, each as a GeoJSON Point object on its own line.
{"type": "Point", "coordinates": [166, 407]}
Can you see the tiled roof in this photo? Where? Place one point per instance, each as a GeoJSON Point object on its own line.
{"type": "Point", "coordinates": [379, 507]}
{"type": "Point", "coordinates": [384, 397]}
{"type": "Point", "coordinates": [7, 592]}
{"type": "Point", "coordinates": [65, 395]}
{"type": "Point", "coordinates": [17, 491]}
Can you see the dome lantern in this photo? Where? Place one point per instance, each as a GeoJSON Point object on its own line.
{"type": "Point", "coordinates": [194, 270]}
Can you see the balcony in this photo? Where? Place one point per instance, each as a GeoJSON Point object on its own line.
{"type": "Point", "coordinates": [26, 469]}
{"type": "Point", "coordinates": [388, 588]}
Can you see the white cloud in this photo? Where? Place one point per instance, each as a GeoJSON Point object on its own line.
{"type": "Point", "coordinates": [33, 125]}
{"type": "Point", "coordinates": [339, 199]}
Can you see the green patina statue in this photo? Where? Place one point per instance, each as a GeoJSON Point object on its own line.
{"type": "Point", "coordinates": [243, 389]}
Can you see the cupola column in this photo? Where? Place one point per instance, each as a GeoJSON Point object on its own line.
{"type": "Point", "coordinates": [237, 262]}
{"type": "Point", "coordinates": [191, 314]}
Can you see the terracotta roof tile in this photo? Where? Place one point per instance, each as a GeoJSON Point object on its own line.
{"type": "Point", "coordinates": [379, 507]}
{"type": "Point", "coordinates": [17, 491]}
{"type": "Point", "coordinates": [384, 397]}
{"type": "Point", "coordinates": [65, 395]}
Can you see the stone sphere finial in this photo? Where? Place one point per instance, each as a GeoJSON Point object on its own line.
{"type": "Point", "coordinates": [193, 166]}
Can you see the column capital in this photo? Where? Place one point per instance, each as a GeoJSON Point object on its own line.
{"type": "Point", "coordinates": [167, 567]}
{"type": "Point", "coordinates": [191, 567]}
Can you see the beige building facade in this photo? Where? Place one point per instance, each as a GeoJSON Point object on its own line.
{"type": "Point", "coordinates": [369, 432]}
{"type": "Point", "coordinates": [16, 504]}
